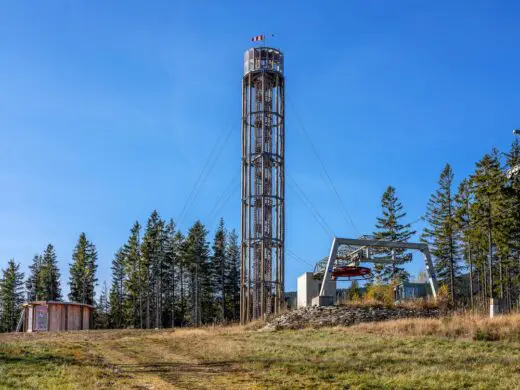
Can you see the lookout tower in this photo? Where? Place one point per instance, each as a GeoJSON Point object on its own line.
{"type": "Point", "coordinates": [263, 184]}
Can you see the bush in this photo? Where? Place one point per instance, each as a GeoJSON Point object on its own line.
{"type": "Point", "coordinates": [485, 335]}
{"type": "Point", "coordinates": [380, 293]}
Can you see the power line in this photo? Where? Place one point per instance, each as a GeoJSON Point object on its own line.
{"type": "Point", "coordinates": [329, 181]}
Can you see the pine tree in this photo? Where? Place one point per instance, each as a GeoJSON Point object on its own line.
{"type": "Point", "coordinates": [218, 268]}
{"type": "Point", "coordinates": [50, 275]}
{"type": "Point", "coordinates": [390, 228]}
{"type": "Point", "coordinates": [441, 231]}
{"type": "Point", "coordinates": [117, 291]}
{"type": "Point", "coordinates": [33, 284]}
{"type": "Point", "coordinates": [83, 271]}
{"type": "Point", "coordinates": [232, 280]}
{"type": "Point", "coordinates": [11, 296]}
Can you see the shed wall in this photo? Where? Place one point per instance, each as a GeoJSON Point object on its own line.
{"type": "Point", "coordinates": [55, 317]}
{"type": "Point", "coordinates": [74, 318]}
{"type": "Point", "coordinates": [86, 318]}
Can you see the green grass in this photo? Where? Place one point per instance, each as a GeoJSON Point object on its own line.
{"type": "Point", "coordinates": [233, 358]}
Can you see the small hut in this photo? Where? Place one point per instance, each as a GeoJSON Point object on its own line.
{"type": "Point", "coordinates": [50, 316]}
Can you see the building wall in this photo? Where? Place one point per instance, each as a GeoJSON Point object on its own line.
{"type": "Point", "coordinates": [309, 288]}
{"type": "Point", "coordinates": [86, 318]}
{"type": "Point", "coordinates": [55, 317]}
{"type": "Point", "coordinates": [74, 318]}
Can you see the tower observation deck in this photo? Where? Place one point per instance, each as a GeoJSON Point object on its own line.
{"type": "Point", "coordinates": [263, 184]}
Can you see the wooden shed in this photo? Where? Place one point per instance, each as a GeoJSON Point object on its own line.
{"type": "Point", "coordinates": [47, 316]}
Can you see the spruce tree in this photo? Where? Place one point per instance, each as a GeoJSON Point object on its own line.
{"type": "Point", "coordinates": [83, 272]}
{"type": "Point", "coordinates": [509, 246]}
{"type": "Point", "coordinates": [463, 200]}
{"type": "Point", "coordinates": [182, 280]}
{"type": "Point", "coordinates": [232, 277]}
{"type": "Point", "coordinates": [34, 285]}
{"type": "Point", "coordinates": [487, 185]}
{"type": "Point", "coordinates": [11, 296]}
{"type": "Point", "coordinates": [196, 256]}
{"type": "Point", "coordinates": [117, 291]}
{"type": "Point", "coordinates": [50, 275]}
{"type": "Point", "coordinates": [441, 232]}
{"type": "Point", "coordinates": [218, 268]}
{"type": "Point", "coordinates": [152, 254]}
{"type": "Point", "coordinates": [171, 271]}
{"type": "Point", "coordinates": [134, 282]}
{"type": "Point", "coordinates": [390, 228]}
{"type": "Point", "coordinates": [102, 313]}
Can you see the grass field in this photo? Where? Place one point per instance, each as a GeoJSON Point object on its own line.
{"type": "Point", "coordinates": [366, 356]}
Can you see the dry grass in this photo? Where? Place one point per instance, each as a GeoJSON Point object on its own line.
{"type": "Point", "coordinates": [418, 304]}
{"type": "Point", "coordinates": [380, 355]}
{"type": "Point", "coordinates": [482, 328]}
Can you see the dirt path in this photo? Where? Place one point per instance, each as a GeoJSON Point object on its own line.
{"type": "Point", "coordinates": [156, 364]}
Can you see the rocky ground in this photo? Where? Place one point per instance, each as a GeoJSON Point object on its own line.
{"type": "Point", "coordinates": [317, 317]}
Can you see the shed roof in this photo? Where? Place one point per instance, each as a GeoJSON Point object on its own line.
{"type": "Point", "coordinates": [34, 303]}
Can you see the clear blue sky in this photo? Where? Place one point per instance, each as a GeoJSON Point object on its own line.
{"type": "Point", "coordinates": [109, 110]}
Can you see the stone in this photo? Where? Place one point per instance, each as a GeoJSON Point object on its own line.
{"type": "Point", "coordinates": [318, 316]}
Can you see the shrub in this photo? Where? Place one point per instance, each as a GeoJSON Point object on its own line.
{"type": "Point", "coordinates": [380, 293]}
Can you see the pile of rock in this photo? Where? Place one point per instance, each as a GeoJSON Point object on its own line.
{"type": "Point", "coordinates": [316, 317]}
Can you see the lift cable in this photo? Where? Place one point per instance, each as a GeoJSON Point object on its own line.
{"type": "Point", "coordinates": [223, 195]}
{"type": "Point", "coordinates": [224, 199]}
{"type": "Point", "coordinates": [213, 157]}
{"type": "Point", "coordinates": [296, 257]}
{"type": "Point", "coordinates": [329, 181]}
{"type": "Point", "coordinates": [201, 174]}
{"type": "Point", "coordinates": [310, 206]}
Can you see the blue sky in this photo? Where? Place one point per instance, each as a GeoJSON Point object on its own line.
{"type": "Point", "coordinates": [109, 110]}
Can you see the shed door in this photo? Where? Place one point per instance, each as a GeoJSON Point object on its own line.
{"type": "Point", "coordinates": [42, 318]}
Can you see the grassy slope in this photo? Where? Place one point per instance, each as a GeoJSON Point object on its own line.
{"type": "Point", "coordinates": [232, 358]}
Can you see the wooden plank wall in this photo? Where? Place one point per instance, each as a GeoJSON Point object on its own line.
{"type": "Point", "coordinates": [62, 317]}
{"type": "Point", "coordinates": [55, 317]}
{"type": "Point", "coordinates": [74, 318]}
{"type": "Point", "coordinates": [86, 318]}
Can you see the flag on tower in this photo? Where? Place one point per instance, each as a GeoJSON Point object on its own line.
{"type": "Point", "coordinates": [258, 38]}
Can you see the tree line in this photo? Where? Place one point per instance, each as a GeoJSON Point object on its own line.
{"type": "Point", "coordinates": [163, 278]}
{"type": "Point", "coordinates": [473, 231]}
{"type": "Point", "coordinates": [160, 278]}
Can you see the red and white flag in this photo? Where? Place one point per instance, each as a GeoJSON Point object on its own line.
{"type": "Point", "coordinates": [258, 38]}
